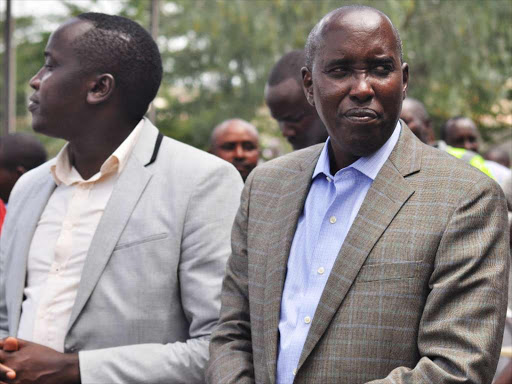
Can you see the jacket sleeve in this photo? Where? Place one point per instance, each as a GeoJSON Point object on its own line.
{"type": "Point", "coordinates": [461, 328]}
{"type": "Point", "coordinates": [17, 196]}
{"type": "Point", "coordinates": [231, 359]}
{"type": "Point", "coordinates": [205, 248]}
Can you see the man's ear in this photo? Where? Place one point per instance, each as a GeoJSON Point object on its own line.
{"type": "Point", "coordinates": [101, 88]}
{"type": "Point", "coordinates": [307, 85]}
{"type": "Point", "coordinates": [405, 79]}
{"type": "Point", "coordinates": [20, 170]}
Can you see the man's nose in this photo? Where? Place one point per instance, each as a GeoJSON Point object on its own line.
{"type": "Point", "coordinates": [239, 152]}
{"type": "Point", "coordinates": [287, 129]}
{"type": "Point", "coordinates": [361, 89]}
{"type": "Point", "coordinates": [35, 81]}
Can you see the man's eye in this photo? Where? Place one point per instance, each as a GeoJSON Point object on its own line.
{"type": "Point", "coordinates": [382, 69]}
{"type": "Point", "coordinates": [294, 119]}
{"type": "Point", "coordinates": [339, 71]}
{"type": "Point", "coordinates": [248, 146]}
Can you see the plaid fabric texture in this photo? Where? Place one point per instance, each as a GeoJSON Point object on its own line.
{"type": "Point", "coordinates": [417, 294]}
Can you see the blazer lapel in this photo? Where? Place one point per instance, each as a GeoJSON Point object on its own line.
{"type": "Point", "coordinates": [289, 208]}
{"type": "Point", "coordinates": [127, 192]}
{"type": "Point", "coordinates": [388, 193]}
{"type": "Point", "coordinates": [29, 218]}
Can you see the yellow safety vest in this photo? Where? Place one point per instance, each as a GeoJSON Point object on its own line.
{"type": "Point", "coordinates": [470, 157]}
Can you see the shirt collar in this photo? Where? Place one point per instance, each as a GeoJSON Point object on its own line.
{"type": "Point", "coordinates": [368, 165]}
{"type": "Point", "coordinates": [64, 173]}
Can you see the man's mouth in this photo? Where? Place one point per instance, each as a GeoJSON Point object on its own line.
{"type": "Point", "coordinates": [361, 115]}
{"type": "Point", "coordinates": [32, 105]}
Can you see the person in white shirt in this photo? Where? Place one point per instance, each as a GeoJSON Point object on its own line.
{"type": "Point", "coordinates": [113, 253]}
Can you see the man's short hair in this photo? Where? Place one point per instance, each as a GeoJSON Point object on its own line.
{"type": "Point", "coordinates": [448, 123]}
{"type": "Point", "coordinates": [419, 108]}
{"type": "Point", "coordinates": [288, 66]}
{"type": "Point", "coordinates": [314, 37]}
{"type": "Point", "coordinates": [21, 149]}
{"type": "Point", "coordinates": [123, 48]}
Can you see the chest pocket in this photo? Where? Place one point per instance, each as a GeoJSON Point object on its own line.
{"type": "Point", "coordinates": [389, 271]}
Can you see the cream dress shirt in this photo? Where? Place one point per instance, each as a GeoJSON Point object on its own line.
{"type": "Point", "coordinates": [61, 242]}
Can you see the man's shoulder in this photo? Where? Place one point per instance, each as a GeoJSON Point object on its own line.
{"type": "Point", "coordinates": [176, 157]}
{"type": "Point", "coordinates": [446, 170]}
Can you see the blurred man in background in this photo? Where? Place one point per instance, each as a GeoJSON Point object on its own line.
{"type": "Point", "coordinates": [19, 153]}
{"type": "Point", "coordinates": [418, 120]}
{"type": "Point", "coordinates": [237, 142]}
{"type": "Point", "coordinates": [462, 132]}
{"type": "Point", "coordinates": [498, 155]}
{"type": "Point", "coordinates": [298, 120]}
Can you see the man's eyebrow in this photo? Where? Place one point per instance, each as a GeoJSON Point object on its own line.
{"type": "Point", "coordinates": [382, 60]}
{"type": "Point", "coordinates": [339, 61]}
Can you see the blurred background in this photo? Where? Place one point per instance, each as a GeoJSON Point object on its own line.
{"type": "Point", "coordinates": [217, 56]}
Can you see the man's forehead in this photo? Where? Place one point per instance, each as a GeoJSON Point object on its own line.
{"type": "Point", "coordinates": [358, 26]}
{"type": "Point", "coordinates": [354, 21]}
{"type": "Point", "coordinates": [69, 31]}
{"type": "Point", "coordinates": [465, 123]}
{"type": "Point", "coordinates": [234, 128]}
{"type": "Point", "coordinates": [287, 90]}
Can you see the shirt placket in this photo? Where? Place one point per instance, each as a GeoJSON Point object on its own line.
{"type": "Point", "coordinates": [317, 273]}
{"type": "Point", "coordinates": [45, 326]}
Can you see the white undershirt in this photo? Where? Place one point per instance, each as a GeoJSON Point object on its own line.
{"type": "Point", "coordinates": [61, 242]}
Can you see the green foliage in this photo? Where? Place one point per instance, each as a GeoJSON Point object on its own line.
{"type": "Point", "coordinates": [217, 56]}
{"type": "Point", "coordinates": [459, 52]}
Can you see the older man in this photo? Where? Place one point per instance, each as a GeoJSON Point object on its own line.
{"type": "Point", "coordinates": [237, 142]}
{"type": "Point", "coordinates": [113, 253]}
{"type": "Point", "coordinates": [299, 122]}
{"type": "Point", "coordinates": [372, 258]}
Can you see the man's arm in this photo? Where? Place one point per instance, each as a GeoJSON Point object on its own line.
{"type": "Point", "coordinates": [204, 251]}
{"type": "Point", "coordinates": [462, 325]}
{"type": "Point", "coordinates": [231, 359]}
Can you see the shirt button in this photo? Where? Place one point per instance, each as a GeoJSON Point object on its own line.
{"type": "Point", "coordinates": [294, 371]}
{"type": "Point", "coordinates": [332, 219]}
{"type": "Point", "coordinates": [307, 319]}
{"type": "Point", "coordinates": [321, 270]}
{"type": "Point", "coordinates": [328, 179]}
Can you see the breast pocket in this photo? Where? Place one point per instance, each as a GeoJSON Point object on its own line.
{"type": "Point", "coordinates": [389, 271]}
{"type": "Point", "coordinates": [147, 239]}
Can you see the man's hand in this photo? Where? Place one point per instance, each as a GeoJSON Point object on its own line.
{"type": "Point", "coordinates": [10, 344]}
{"type": "Point", "coordinates": [34, 363]}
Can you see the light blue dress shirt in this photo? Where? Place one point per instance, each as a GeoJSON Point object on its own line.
{"type": "Point", "coordinates": [330, 209]}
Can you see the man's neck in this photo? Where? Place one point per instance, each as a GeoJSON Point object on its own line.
{"type": "Point", "coordinates": [340, 160]}
{"type": "Point", "coordinates": [88, 154]}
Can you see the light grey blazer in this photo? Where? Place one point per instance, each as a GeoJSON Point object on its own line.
{"type": "Point", "coordinates": [149, 296]}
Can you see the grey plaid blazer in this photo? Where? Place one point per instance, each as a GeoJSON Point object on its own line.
{"type": "Point", "coordinates": [418, 291]}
